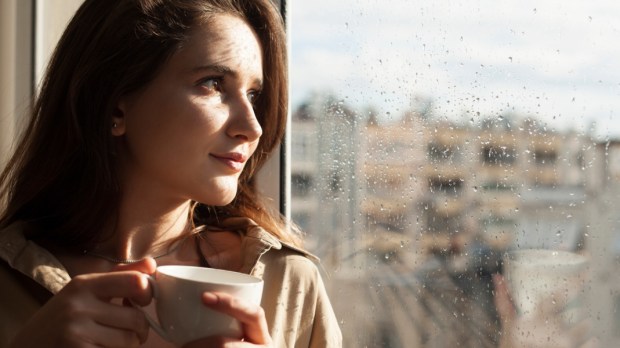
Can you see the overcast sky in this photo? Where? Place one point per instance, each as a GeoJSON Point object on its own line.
{"type": "Point", "coordinates": [557, 60]}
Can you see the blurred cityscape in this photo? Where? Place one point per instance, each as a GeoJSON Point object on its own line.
{"type": "Point", "coordinates": [394, 207]}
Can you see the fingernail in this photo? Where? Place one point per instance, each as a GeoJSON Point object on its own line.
{"type": "Point", "coordinates": [209, 298]}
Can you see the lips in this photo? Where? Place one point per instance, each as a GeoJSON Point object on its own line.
{"type": "Point", "coordinates": [233, 160]}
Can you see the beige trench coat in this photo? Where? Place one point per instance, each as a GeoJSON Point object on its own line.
{"type": "Point", "coordinates": [296, 305]}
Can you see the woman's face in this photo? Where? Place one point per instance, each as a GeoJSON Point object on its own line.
{"type": "Point", "coordinates": [189, 134]}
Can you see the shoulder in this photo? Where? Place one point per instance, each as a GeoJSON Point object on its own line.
{"type": "Point", "coordinates": [296, 304]}
{"type": "Point", "coordinates": [262, 251]}
{"type": "Point", "coordinates": [275, 261]}
{"type": "Point", "coordinates": [22, 295]}
{"type": "Point", "coordinates": [292, 264]}
{"type": "Point", "coordinates": [289, 264]}
{"type": "Point", "coordinates": [18, 303]}
{"type": "Point", "coordinates": [295, 300]}
{"type": "Point", "coordinates": [28, 258]}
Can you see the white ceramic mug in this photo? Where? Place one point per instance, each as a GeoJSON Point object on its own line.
{"type": "Point", "coordinates": [554, 276]}
{"type": "Point", "coordinates": [183, 318]}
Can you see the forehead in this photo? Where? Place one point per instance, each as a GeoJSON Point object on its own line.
{"type": "Point", "coordinates": [223, 40]}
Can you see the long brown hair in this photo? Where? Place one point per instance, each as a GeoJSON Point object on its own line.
{"type": "Point", "coordinates": [63, 176]}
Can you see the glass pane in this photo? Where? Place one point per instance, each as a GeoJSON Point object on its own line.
{"type": "Point", "coordinates": [430, 139]}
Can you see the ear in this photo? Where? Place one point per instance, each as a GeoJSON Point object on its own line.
{"type": "Point", "coordinates": [118, 119]}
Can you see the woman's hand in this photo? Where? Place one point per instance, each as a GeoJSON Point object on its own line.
{"type": "Point", "coordinates": [82, 314]}
{"type": "Point", "coordinates": [251, 317]}
{"type": "Point", "coordinates": [543, 330]}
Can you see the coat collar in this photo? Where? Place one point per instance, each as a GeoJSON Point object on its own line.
{"type": "Point", "coordinates": [256, 242]}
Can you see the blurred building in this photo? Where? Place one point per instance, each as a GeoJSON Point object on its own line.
{"type": "Point", "coordinates": [442, 183]}
{"type": "Point", "coordinates": [324, 184]}
{"type": "Point", "coordinates": [379, 200]}
{"type": "Point", "coordinates": [392, 190]}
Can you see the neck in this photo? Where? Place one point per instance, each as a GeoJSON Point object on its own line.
{"type": "Point", "coordinates": [146, 231]}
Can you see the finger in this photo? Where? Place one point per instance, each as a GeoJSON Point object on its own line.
{"type": "Point", "coordinates": [105, 286]}
{"type": "Point", "coordinates": [251, 317]}
{"type": "Point", "coordinates": [104, 336]}
{"type": "Point", "coordinates": [503, 302]}
{"type": "Point", "coordinates": [146, 265]}
{"type": "Point", "coordinates": [121, 317]}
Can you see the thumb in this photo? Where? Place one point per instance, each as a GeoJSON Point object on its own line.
{"type": "Point", "coordinates": [146, 265]}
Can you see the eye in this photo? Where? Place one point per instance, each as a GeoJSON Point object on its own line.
{"type": "Point", "coordinates": [253, 96]}
{"type": "Point", "coordinates": [211, 83]}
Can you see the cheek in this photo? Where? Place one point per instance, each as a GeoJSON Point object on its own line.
{"type": "Point", "coordinates": [170, 132]}
{"type": "Point", "coordinates": [203, 117]}
{"type": "Point", "coordinates": [254, 145]}
{"type": "Point", "coordinates": [188, 125]}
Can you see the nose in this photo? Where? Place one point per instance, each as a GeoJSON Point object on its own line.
{"type": "Point", "coordinates": [243, 122]}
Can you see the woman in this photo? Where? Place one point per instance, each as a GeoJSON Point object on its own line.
{"type": "Point", "coordinates": [151, 122]}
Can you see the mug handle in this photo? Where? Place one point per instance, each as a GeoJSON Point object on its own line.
{"type": "Point", "coordinates": [160, 331]}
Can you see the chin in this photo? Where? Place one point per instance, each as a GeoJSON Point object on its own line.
{"type": "Point", "coordinates": [220, 196]}
{"type": "Point", "coordinates": [226, 201]}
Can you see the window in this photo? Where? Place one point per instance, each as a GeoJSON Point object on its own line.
{"type": "Point", "coordinates": [445, 186]}
{"type": "Point", "coordinates": [497, 155]}
{"type": "Point", "coordinates": [446, 135]}
{"type": "Point", "coordinates": [497, 186]}
{"type": "Point", "coordinates": [441, 152]}
{"type": "Point", "coordinates": [30, 32]}
{"type": "Point", "coordinates": [301, 184]}
{"type": "Point", "coordinates": [543, 157]}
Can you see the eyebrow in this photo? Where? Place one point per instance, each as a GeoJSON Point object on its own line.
{"type": "Point", "coordinates": [223, 69]}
